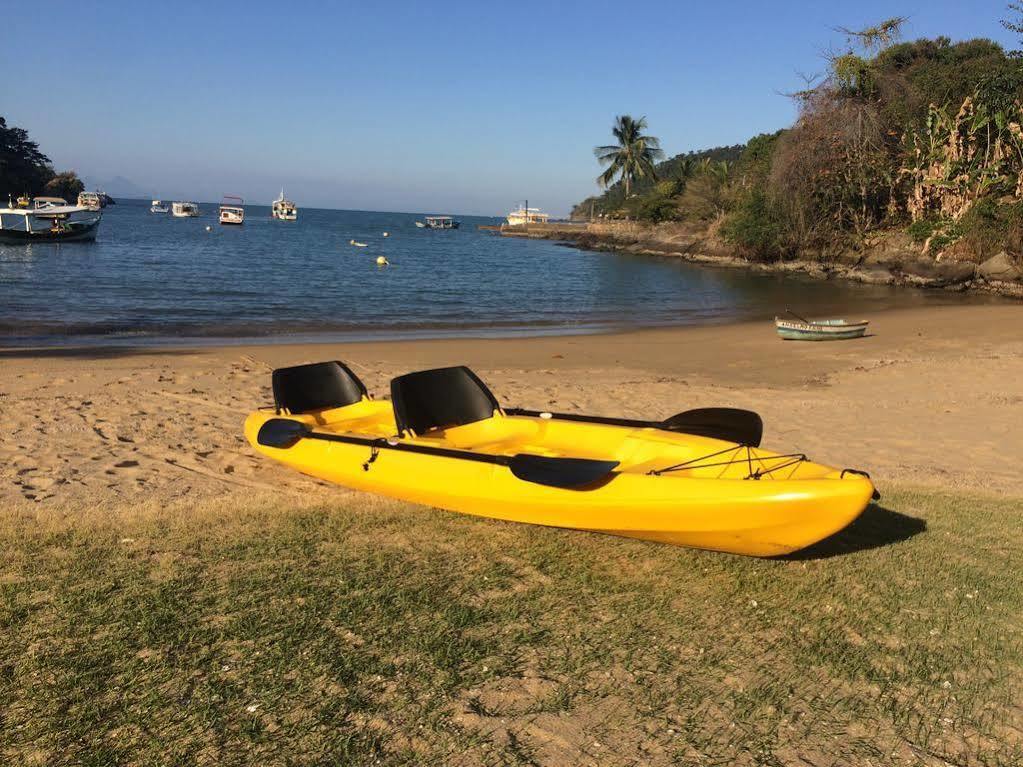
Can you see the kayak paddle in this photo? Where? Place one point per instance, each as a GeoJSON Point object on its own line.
{"type": "Point", "coordinates": [730, 424]}
{"type": "Point", "coordinates": [567, 473]}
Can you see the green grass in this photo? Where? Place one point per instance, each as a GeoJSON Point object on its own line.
{"type": "Point", "coordinates": [258, 633]}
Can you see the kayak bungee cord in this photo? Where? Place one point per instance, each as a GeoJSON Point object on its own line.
{"type": "Point", "coordinates": [793, 459]}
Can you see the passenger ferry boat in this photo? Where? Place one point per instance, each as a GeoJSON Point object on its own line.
{"type": "Point", "coordinates": [438, 222]}
{"type": "Point", "coordinates": [90, 201]}
{"type": "Point", "coordinates": [50, 219]}
{"type": "Point", "coordinates": [159, 206]}
{"type": "Point", "coordinates": [283, 209]}
{"type": "Point", "coordinates": [526, 215]}
{"type": "Point", "coordinates": [183, 209]}
{"type": "Point", "coordinates": [231, 210]}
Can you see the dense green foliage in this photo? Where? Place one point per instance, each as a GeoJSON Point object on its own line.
{"type": "Point", "coordinates": [925, 135]}
{"type": "Point", "coordinates": [66, 185]}
{"type": "Point", "coordinates": [24, 169]}
{"type": "Point", "coordinates": [679, 169]}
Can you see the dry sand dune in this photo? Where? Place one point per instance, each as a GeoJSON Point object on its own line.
{"type": "Point", "coordinates": [934, 397]}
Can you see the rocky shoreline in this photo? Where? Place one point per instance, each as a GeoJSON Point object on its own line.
{"type": "Point", "coordinates": [891, 258]}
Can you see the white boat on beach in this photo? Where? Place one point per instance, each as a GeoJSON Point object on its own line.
{"type": "Point", "coordinates": [819, 330]}
{"type": "Point", "coordinates": [283, 209]}
{"type": "Point", "coordinates": [232, 210]}
{"type": "Point", "coordinates": [183, 209]}
{"type": "Point", "coordinates": [159, 206]}
{"type": "Point", "coordinates": [50, 219]}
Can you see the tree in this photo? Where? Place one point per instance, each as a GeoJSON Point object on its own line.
{"type": "Point", "coordinates": [23, 168]}
{"type": "Point", "coordinates": [632, 157]}
{"type": "Point", "coordinates": [1016, 24]}
{"type": "Point", "coordinates": [66, 185]}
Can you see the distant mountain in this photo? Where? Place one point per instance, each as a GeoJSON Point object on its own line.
{"type": "Point", "coordinates": [118, 186]}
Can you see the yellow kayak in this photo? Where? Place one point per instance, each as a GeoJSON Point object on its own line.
{"type": "Point", "coordinates": [443, 440]}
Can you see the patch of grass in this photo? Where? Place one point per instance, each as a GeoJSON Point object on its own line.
{"type": "Point", "coordinates": [250, 632]}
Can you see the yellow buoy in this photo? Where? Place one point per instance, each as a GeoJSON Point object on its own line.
{"type": "Point", "coordinates": [381, 261]}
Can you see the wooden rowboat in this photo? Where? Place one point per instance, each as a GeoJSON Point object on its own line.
{"type": "Point", "coordinates": [819, 330]}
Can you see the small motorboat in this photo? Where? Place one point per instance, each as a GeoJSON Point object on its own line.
{"type": "Point", "coordinates": [90, 201]}
{"type": "Point", "coordinates": [438, 222]}
{"type": "Point", "coordinates": [699, 478]}
{"type": "Point", "coordinates": [184, 209]}
{"type": "Point", "coordinates": [283, 209]}
{"type": "Point", "coordinates": [159, 206]}
{"type": "Point", "coordinates": [232, 210]}
{"type": "Point", "coordinates": [801, 329]}
{"type": "Point", "coordinates": [358, 244]}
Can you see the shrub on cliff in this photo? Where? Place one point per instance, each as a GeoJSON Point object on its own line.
{"type": "Point", "coordinates": [66, 185]}
{"type": "Point", "coordinates": [756, 228]}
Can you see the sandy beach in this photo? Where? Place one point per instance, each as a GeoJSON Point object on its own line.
{"type": "Point", "coordinates": [932, 397]}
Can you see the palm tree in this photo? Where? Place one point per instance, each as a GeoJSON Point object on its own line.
{"type": "Point", "coordinates": [632, 157]}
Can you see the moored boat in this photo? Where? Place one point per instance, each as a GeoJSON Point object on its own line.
{"type": "Point", "coordinates": [90, 201]}
{"type": "Point", "coordinates": [232, 210]}
{"type": "Point", "coordinates": [819, 330]}
{"type": "Point", "coordinates": [184, 209]}
{"type": "Point", "coordinates": [525, 215]}
{"type": "Point", "coordinates": [684, 481]}
{"type": "Point", "coordinates": [438, 222]}
{"type": "Point", "coordinates": [50, 219]}
{"type": "Point", "coordinates": [158, 206]}
{"type": "Point", "coordinates": [283, 209]}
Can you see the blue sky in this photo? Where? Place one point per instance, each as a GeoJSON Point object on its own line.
{"type": "Point", "coordinates": [462, 107]}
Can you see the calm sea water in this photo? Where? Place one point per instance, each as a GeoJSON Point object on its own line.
{"type": "Point", "coordinates": [158, 279]}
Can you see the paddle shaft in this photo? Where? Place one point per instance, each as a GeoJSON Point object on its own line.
{"type": "Point", "coordinates": [585, 418]}
{"type": "Point", "coordinates": [543, 470]}
{"type": "Point", "coordinates": [749, 432]}
{"type": "Point", "coordinates": [382, 444]}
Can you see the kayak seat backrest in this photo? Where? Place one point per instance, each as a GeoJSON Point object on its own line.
{"type": "Point", "coordinates": [321, 385]}
{"type": "Point", "coordinates": [439, 399]}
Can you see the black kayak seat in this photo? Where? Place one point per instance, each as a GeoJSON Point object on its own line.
{"type": "Point", "coordinates": [439, 399]}
{"type": "Point", "coordinates": [317, 386]}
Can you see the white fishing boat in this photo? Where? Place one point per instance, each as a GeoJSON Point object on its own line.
{"type": "Point", "coordinates": [159, 206]}
{"type": "Point", "coordinates": [50, 219]}
{"type": "Point", "coordinates": [525, 215]}
{"type": "Point", "coordinates": [184, 209]}
{"type": "Point", "coordinates": [232, 210]}
{"type": "Point", "coordinates": [283, 209]}
{"type": "Point", "coordinates": [800, 329]}
{"type": "Point", "coordinates": [438, 222]}
{"type": "Point", "coordinates": [90, 201]}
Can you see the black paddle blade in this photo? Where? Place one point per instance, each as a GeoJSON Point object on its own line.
{"type": "Point", "coordinates": [743, 427]}
{"type": "Point", "coordinates": [281, 432]}
{"type": "Point", "coordinates": [567, 473]}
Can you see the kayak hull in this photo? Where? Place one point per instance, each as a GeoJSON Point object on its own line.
{"type": "Point", "coordinates": [709, 509]}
